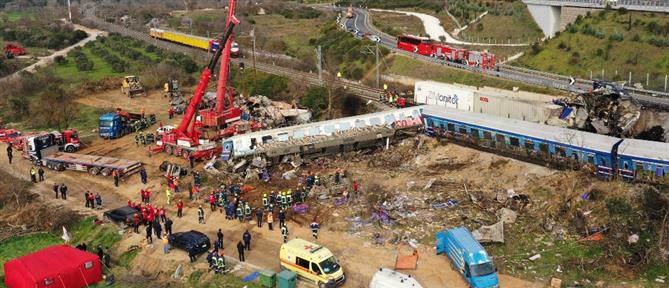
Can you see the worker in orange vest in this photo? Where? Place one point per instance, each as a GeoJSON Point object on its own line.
{"type": "Point", "coordinates": [270, 220]}
{"type": "Point", "coordinates": [196, 192]}
{"type": "Point", "coordinates": [116, 177]}
{"type": "Point", "coordinates": [141, 111]}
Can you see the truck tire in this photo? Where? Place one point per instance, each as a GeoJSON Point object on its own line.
{"type": "Point", "coordinates": [94, 170]}
{"type": "Point", "coordinates": [169, 150]}
{"type": "Point", "coordinates": [105, 172]}
{"type": "Point", "coordinates": [185, 154]}
{"type": "Point", "coordinates": [69, 149]}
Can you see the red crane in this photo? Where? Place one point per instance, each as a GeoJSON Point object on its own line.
{"type": "Point", "coordinates": [185, 139]}
{"type": "Point", "coordinates": [222, 114]}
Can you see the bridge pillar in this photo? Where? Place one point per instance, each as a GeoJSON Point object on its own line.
{"type": "Point", "coordinates": [547, 17]}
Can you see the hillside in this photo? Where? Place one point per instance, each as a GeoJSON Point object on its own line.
{"type": "Point", "coordinates": [507, 21]}
{"type": "Point", "coordinates": [613, 43]}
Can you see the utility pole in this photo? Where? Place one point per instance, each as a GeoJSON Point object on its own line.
{"type": "Point", "coordinates": [69, 10]}
{"type": "Point", "coordinates": [378, 68]}
{"type": "Point", "coordinates": [253, 35]}
{"type": "Point", "coordinates": [319, 56]}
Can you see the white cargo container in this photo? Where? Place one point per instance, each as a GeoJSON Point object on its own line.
{"type": "Point", "coordinates": [498, 105]}
{"type": "Point", "coordinates": [442, 94]}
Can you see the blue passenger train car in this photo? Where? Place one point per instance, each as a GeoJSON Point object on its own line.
{"type": "Point", "coordinates": [610, 156]}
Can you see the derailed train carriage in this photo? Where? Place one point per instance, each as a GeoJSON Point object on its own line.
{"type": "Point", "coordinates": [323, 138]}
{"type": "Point", "coordinates": [610, 157]}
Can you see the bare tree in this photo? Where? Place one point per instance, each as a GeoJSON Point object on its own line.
{"type": "Point", "coordinates": [190, 4]}
{"type": "Point", "coordinates": [56, 108]}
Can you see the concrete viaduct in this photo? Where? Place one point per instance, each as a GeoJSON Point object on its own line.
{"type": "Point", "coordinates": [553, 15]}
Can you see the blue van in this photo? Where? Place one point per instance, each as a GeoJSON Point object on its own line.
{"type": "Point", "coordinates": [468, 257]}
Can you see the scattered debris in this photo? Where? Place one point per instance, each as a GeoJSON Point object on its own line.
{"type": "Point", "coordinates": [429, 183]}
{"type": "Point", "coordinates": [178, 273]}
{"type": "Point", "coordinates": [633, 239]}
{"type": "Point", "coordinates": [507, 216]}
{"type": "Point", "coordinates": [535, 257]}
{"type": "Point", "coordinates": [289, 175]}
{"type": "Point", "coordinates": [490, 234]}
{"type": "Point", "coordinates": [555, 282]}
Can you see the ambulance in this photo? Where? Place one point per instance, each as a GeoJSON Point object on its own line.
{"type": "Point", "coordinates": [313, 262]}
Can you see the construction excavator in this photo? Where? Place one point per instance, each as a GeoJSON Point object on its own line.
{"type": "Point", "coordinates": [187, 139]}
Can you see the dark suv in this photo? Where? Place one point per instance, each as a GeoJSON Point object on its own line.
{"type": "Point", "coordinates": [190, 240]}
{"type": "Point", "coordinates": [122, 215]}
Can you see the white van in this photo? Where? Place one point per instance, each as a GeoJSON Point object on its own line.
{"type": "Point", "coordinates": [387, 278]}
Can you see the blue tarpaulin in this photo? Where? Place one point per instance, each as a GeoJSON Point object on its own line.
{"type": "Point", "coordinates": [251, 277]}
{"type": "Point", "coordinates": [566, 112]}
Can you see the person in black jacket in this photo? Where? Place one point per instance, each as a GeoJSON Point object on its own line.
{"type": "Point", "coordinates": [240, 250]}
{"type": "Point", "coordinates": [157, 228]}
{"type": "Point", "coordinates": [149, 231]}
{"type": "Point", "coordinates": [247, 240]}
{"type": "Point", "coordinates": [168, 226]}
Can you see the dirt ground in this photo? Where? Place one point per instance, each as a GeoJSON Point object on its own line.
{"type": "Point", "coordinates": [358, 256]}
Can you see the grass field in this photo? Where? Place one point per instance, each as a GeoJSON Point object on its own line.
{"type": "Point", "coordinates": [567, 254]}
{"type": "Point", "coordinates": [602, 41]}
{"type": "Point", "coordinates": [405, 66]}
{"type": "Point", "coordinates": [19, 246]}
{"type": "Point", "coordinates": [396, 24]}
{"type": "Point", "coordinates": [101, 69]}
{"type": "Point", "coordinates": [277, 34]}
{"type": "Point", "coordinates": [17, 14]}
{"type": "Point", "coordinates": [512, 22]}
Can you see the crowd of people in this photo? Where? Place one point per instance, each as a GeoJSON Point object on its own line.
{"type": "Point", "coordinates": [231, 199]}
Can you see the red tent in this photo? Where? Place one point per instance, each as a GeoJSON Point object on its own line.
{"type": "Point", "coordinates": [57, 266]}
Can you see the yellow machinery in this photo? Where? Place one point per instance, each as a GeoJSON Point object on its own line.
{"type": "Point", "coordinates": [131, 86]}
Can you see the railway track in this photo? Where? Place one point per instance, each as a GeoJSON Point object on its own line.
{"type": "Point", "coordinates": [365, 92]}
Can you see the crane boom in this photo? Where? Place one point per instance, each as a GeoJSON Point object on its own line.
{"type": "Point", "coordinates": [225, 62]}
{"type": "Point", "coordinates": [201, 87]}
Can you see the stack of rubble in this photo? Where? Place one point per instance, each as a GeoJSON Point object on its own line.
{"type": "Point", "coordinates": [601, 111]}
{"type": "Point", "coordinates": [275, 113]}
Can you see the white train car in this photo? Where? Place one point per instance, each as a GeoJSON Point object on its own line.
{"type": "Point", "coordinates": [246, 144]}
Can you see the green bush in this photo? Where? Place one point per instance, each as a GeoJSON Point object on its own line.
{"type": "Point", "coordinates": [618, 206]}
{"type": "Point", "coordinates": [617, 37]}
{"type": "Point", "coordinates": [315, 99]}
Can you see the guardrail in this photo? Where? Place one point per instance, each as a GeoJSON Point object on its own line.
{"type": "Point", "coordinates": [529, 76]}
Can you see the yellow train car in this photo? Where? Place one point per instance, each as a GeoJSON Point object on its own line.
{"type": "Point", "coordinates": [181, 38]}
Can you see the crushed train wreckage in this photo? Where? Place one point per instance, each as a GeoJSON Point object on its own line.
{"type": "Point", "coordinates": [610, 111]}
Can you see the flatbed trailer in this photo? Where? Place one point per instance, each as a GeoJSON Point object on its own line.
{"type": "Point", "coordinates": [94, 165]}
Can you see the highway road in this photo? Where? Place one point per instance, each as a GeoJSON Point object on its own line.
{"type": "Point", "coordinates": [362, 23]}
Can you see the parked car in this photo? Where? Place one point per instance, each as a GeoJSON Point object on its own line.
{"type": "Point", "coordinates": [190, 240]}
{"type": "Point", "coordinates": [374, 38]}
{"type": "Point", "coordinates": [122, 215]}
